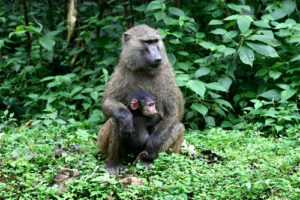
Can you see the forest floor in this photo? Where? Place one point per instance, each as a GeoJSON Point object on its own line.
{"type": "Point", "coordinates": [60, 162]}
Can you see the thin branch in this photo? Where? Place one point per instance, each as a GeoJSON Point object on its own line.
{"type": "Point", "coordinates": [101, 6]}
{"type": "Point", "coordinates": [131, 12]}
{"type": "Point", "coordinates": [126, 14]}
{"type": "Point", "coordinates": [52, 25]}
{"type": "Point", "coordinates": [27, 33]}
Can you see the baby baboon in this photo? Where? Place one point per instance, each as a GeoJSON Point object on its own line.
{"type": "Point", "coordinates": [145, 117]}
{"type": "Point", "coordinates": [143, 65]}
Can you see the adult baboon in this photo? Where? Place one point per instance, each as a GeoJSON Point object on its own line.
{"type": "Point", "coordinates": [143, 65]}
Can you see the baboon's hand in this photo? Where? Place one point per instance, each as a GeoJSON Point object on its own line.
{"type": "Point", "coordinates": [125, 122]}
{"type": "Point", "coordinates": [147, 156]}
{"type": "Point", "coordinates": [127, 129]}
{"type": "Point", "coordinates": [143, 153]}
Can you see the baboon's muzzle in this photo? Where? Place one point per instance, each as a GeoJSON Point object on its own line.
{"type": "Point", "coordinates": [154, 56]}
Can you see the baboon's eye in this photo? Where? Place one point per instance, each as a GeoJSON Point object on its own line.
{"type": "Point", "coordinates": [151, 41]}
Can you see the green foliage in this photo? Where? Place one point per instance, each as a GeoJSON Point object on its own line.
{"type": "Point", "coordinates": [227, 165]}
{"type": "Point", "coordinates": [225, 56]}
{"type": "Point", "coordinates": [211, 62]}
{"type": "Point", "coordinates": [237, 64]}
{"type": "Point", "coordinates": [276, 118]}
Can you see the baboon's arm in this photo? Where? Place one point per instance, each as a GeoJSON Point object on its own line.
{"type": "Point", "coordinates": [112, 107]}
{"type": "Point", "coordinates": [163, 135]}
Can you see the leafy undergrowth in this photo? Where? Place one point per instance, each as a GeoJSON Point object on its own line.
{"type": "Point", "coordinates": [227, 165]}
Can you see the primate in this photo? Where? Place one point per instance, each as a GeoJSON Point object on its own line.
{"type": "Point", "coordinates": [143, 65]}
{"type": "Point", "coordinates": [145, 117]}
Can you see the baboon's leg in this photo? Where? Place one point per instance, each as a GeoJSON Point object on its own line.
{"type": "Point", "coordinates": [175, 138]}
{"type": "Point", "coordinates": [110, 145]}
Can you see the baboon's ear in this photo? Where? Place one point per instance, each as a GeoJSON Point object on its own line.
{"type": "Point", "coordinates": [134, 104]}
{"type": "Point", "coordinates": [126, 37]}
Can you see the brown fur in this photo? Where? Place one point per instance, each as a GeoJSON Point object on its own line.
{"type": "Point", "coordinates": [129, 76]}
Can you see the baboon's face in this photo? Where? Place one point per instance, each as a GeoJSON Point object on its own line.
{"type": "Point", "coordinates": [150, 52]}
{"type": "Point", "coordinates": [143, 48]}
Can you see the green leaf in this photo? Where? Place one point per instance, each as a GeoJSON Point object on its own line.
{"type": "Point", "coordinates": [262, 72]}
{"type": "Point", "coordinates": [284, 86]}
{"type": "Point", "coordinates": [33, 96]}
{"type": "Point", "coordinates": [269, 121]}
{"type": "Point", "coordinates": [215, 22]}
{"type": "Point", "coordinates": [278, 128]}
{"type": "Point", "coordinates": [223, 102]}
{"type": "Point", "coordinates": [185, 66]}
{"type": "Point", "coordinates": [208, 45]}
{"type": "Point", "coordinates": [2, 19]}
{"type": "Point", "coordinates": [279, 13]}
{"type": "Point", "coordinates": [272, 94]}
{"type": "Point", "coordinates": [94, 95]}
{"type": "Point", "coordinates": [227, 51]}
{"type": "Point", "coordinates": [266, 33]}
{"type": "Point", "coordinates": [176, 11]}
{"type": "Point", "coordinates": [176, 41]}
{"type": "Point", "coordinates": [154, 5]}
{"type": "Point", "coordinates": [183, 53]}
{"type": "Point", "coordinates": [296, 58]}
{"type": "Point", "coordinates": [53, 84]}
{"type": "Point", "coordinates": [265, 39]}
{"type": "Point", "coordinates": [200, 108]}
{"type": "Point", "coordinates": [141, 8]}
{"type": "Point", "coordinates": [34, 30]}
{"type": "Point", "coordinates": [1, 43]}
{"type": "Point", "coordinates": [227, 37]}
{"type": "Point", "coordinates": [263, 49]}
{"type": "Point", "coordinates": [197, 86]}
{"type": "Point", "coordinates": [76, 90]}
{"type": "Point", "coordinates": [219, 31]}
{"type": "Point", "coordinates": [215, 86]}
{"type": "Point", "coordinates": [257, 105]}
{"type": "Point", "coordinates": [232, 17]}
{"type": "Point", "coordinates": [210, 6]}
{"type": "Point", "coordinates": [172, 58]}
{"type": "Point", "coordinates": [248, 185]}
{"type": "Point", "coordinates": [286, 94]}
{"type": "Point", "coordinates": [294, 39]}
{"type": "Point", "coordinates": [238, 8]}
{"type": "Point", "coordinates": [246, 56]}
{"type": "Point", "coordinates": [210, 121]}
{"type": "Point", "coordinates": [47, 78]}
{"type": "Point", "coordinates": [86, 105]}
{"type": "Point", "coordinates": [20, 28]}
{"type": "Point", "coordinates": [274, 74]}
{"type": "Point", "coordinates": [79, 96]}
{"type": "Point", "coordinates": [261, 23]}
{"type": "Point", "coordinates": [283, 33]}
{"type": "Point", "coordinates": [244, 22]}
{"type": "Point", "coordinates": [225, 82]}
{"type": "Point", "coordinates": [281, 26]}
{"type": "Point", "coordinates": [226, 124]}
{"type": "Point", "coordinates": [202, 72]}
{"type": "Point", "coordinates": [47, 42]}
{"type": "Point", "coordinates": [289, 6]}
{"type": "Point", "coordinates": [159, 15]}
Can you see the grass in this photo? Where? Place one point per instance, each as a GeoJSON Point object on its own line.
{"type": "Point", "coordinates": [227, 165]}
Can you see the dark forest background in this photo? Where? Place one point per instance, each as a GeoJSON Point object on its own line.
{"type": "Point", "coordinates": [236, 62]}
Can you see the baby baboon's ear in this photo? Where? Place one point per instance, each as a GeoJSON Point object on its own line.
{"type": "Point", "coordinates": [134, 104]}
{"type": "Point", "coordinates": [126, 37]}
